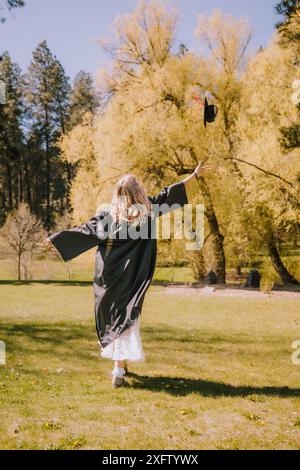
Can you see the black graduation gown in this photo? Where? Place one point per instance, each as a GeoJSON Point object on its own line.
{"type": "Point", "coordinates": [124, 267]}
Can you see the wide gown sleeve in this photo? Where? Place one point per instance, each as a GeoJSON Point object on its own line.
{"type": "Point", "coordinates": [71, 243]}
{"type": "Point", "coordinates": [170, 198]}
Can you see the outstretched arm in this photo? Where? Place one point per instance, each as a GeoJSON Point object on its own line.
{"type": "Point", "coordinates": [176, 194]}
{"type": "Point", "coordinates": [71, 243]}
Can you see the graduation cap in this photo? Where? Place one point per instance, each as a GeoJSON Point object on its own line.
{"type": "Point", "coordinates": [210, 110]}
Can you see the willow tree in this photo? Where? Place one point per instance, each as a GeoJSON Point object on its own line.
{"type": "Point", "coordinates": [77, 149]}
{"type": "Point", "coordinates": [224, 42]}
{"type": "Point", "coordinates": [272, 190]}
{"type": "Point", "coordinates": [151, 123]}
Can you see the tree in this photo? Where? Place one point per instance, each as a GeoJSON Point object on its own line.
{"type": "Point", "coordinates": [289, 27]}
{"type": "Point", "coordinates": [271, 204]}
{"type": "Point", "coordinates": [21, 233]}
{"type": "Point", "coordinates": [83, 98]}
{"type": "Point", "coordinates": [141, 41]}
{"type": "Point", "coordinates": [33, 119]}
{"type": "Point", "coordinates": [77, 149]}
{"type": "Point", "coordinates": [10, 4]}
{"type": "Point", "coordinates": [289, 35]}
{"type": "Point", "coordinates": [11, 138]}
{"type": "Point", "coordinates": [152, 122]}
{"type": "Point", "coordinates": [47, 91]}
{"type": "Point", "coordinates": [225, 41]}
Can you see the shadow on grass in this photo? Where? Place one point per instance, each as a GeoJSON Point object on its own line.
{"type": "Point", "coordinates": [55, 340]}
{"type": "Point", "coordinates": [205, 388]}
{"type": "Point", "coordinates": [52, 333]}
{"type": "Point", "coordinates": [58, 341]}
{"type": "Point", "coordinates": [58, 333]}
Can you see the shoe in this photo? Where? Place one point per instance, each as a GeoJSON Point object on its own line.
{"type": "Point", "coordinates": [118, 381]}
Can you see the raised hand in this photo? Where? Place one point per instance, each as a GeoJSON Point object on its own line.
{"type": "Point", "coordinates": [203, 169]}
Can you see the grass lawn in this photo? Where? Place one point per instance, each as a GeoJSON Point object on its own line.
{"type": "Point", "coordinates": [218, 373]}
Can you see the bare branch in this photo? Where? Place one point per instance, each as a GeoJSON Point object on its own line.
{"type": "Point", "coordinates": [270, 173]}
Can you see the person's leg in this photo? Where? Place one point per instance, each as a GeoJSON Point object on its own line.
{"type": "Point", "coordinates": [121, 364]}
{"type": "Point", "coordinates": [119, 368]}
{"type": "Point", "coordinates": [118, 374]}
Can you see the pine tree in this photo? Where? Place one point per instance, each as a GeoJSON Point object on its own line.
{"type": "Point", "coordinates": [289, 27]}
{"type": "Point", "coordinates": [10, 4]}
{"type": "Point", "coordinates": [47, 91]}
{"type": "Point", "coordinates": [83, 98]}
{"type": "Point", "coordinates": [11, 137]}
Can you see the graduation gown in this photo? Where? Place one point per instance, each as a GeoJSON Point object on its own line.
{"type": "Point", "coordinates": [125, 261]}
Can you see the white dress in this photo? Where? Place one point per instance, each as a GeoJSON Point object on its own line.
{"type": "Point", "coordinates": [128, 346]}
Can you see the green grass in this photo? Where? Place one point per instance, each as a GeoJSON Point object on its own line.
{"type": "Point", "coordinates": [218, 373]}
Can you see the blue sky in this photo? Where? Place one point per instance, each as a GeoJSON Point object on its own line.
{"type": "Point", "coordinates": [72, 27]}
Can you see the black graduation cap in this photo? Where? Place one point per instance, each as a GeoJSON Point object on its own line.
{"type": "Point", "coordinates": [210, 112]}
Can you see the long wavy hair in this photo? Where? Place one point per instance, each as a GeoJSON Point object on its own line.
{"type": "Point", "coordinates": [130, 202]}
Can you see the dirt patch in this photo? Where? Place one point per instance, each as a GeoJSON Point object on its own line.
{"type": "Point", "coordinates": [230, 292]}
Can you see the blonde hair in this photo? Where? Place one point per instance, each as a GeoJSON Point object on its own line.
{"type": "Point", "coordinates": [127, 193]}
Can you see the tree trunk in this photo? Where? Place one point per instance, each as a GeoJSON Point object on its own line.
{"type": "Point", "coordinates": [19, 266]}
{"type": "Point", "coordinates": [68, 165]}
{"type": "Point", "coordinates": [28, 185]}
{"type": "Point", "coordinates": [285, 276]}
{"type": "Point", "coordinates": [238, 270]}
{"type": "Point", "coordinates": [21, 195]}
{"type": "Point", "coordinates": [9, 185]}
{"type": "Point", "coordinates": [68, 196]}
{"type": "Point", "coordinates": [216, 236]}
{"type": "Point", "coordinates": [48, 179]}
